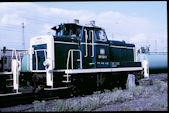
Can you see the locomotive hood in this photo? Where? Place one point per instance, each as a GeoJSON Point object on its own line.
{"type": "Point", "coordinates": [121, 43]}
{"type": "Point", "coordinates": [40, 39]}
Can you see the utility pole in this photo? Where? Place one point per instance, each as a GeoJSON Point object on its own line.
{"type": "Point", "coordinates": [156, 46]}
{"type": "Point", "coordinates": [23, 38]}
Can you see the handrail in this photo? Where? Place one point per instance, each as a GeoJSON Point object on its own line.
{"type": "Point", "coordinates": [14, 52]}
{"type": "Point", "coordinates": [86, 42]}
{"type": "Point", "coordinates": [36, 57]}
{"type": "Point", "coordinates": [68, 59]}
{"type": "Point", "coordinates": [92, 44]}
{"type": "Point", "coordinates": [71, 52]}
{"type": "Point", "coordinates": [15, 69]}
{"type": "Point", "coordinates": [36, 60]}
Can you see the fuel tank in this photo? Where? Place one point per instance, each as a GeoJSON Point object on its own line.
{"type": "Point", "coordinates": [25, 64]}
{"type": "Point", "coordinates": [158, 62]}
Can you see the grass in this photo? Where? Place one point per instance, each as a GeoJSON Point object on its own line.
{"type": "Point", "coordinates": [99, 99]}
{"type": "Point", "coordinates": [160, 86]}
{"type": "Point", "coordinates": [155, 104]}
{"type": "Point", "coordinates": [39, 106]}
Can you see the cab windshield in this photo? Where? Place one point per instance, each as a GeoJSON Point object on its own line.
{"type": "Point", "coordinates": [69, 30]}
{"type": "Point", "coordinates": [101, 35]}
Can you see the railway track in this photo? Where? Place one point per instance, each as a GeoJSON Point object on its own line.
{"type": "Point", "coordinates": [21, 99]}
{"type": "Point", "coordinates": [12, 100]}
{"type": "Point", "coordinates": [49, 100]}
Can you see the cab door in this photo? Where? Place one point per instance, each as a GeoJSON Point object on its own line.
{"type": "Point", "coordinates": [39, 56]}
{"type": "Point", "coordinates": [88, 49]}
{"type": "Point", "coordinates": [102, 49]}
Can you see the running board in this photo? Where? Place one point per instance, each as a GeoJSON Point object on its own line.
{"type": "Point", "coordinates": [76, 71]}
{"type": "Point", "coordinates": [49, 89]}
{"type": "Point", "coordinates": [96, 70]}
{"type": "Point", "coordinates": [8, 94]}
{"type": "Point", "coordinates": [6, 73]}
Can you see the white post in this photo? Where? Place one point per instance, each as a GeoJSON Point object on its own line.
{"type": "Point", "coordinates": [15, 74]}
{"type": "Point", "coordinates": [31, 52]}
{"type": "Point", "coordinates": [0, 53]}
{"type": "Point", "coordinates": [146, 68]}
{"type": "Point", "coordinates": [49, 73]}
{"type": "Point", "coordinates": [131, 81]}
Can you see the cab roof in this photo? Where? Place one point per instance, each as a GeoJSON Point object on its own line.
{"type": "Point", "coordinates": [87, 25]}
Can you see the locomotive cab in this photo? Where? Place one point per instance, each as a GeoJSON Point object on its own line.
{"type": "Point", "coordinates": [90, 40]}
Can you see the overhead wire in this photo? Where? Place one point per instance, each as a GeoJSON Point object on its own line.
{"type": "Point", "coordinates": [41, 18]}
{"type": "Point", "coordinates": [9, 29]}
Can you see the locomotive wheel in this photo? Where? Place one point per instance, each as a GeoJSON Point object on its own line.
{"type": "Point", "coordinates": [75, 91]}
{"type": "Point", "coordinates": [34, 81]}
{"type": "Point", "coordinates": [117, 80]}
{"type": "Point", "coordinates": [123, 80]}
{"type": "Point", "coordinates": [100, 81]}
{"type": "Point", "coordinates": [74, 87]}
{"type": "Point", "coordinates": [138, 76]}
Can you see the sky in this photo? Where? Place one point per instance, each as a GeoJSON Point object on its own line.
{"type": "Point", "coordinates": [142, 23]}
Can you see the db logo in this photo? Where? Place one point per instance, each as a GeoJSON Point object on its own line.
{"type": "Point", "coordinates": [102, 51]}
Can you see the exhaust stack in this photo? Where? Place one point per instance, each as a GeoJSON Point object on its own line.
{"type": "Point", "coordinates": [76, 21]}
{"type": "Point", "coordinates": [92, 22]}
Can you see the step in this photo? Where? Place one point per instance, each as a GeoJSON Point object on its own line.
{"type": "Point", "coordinates": [53, 82]}
{"type": "Point", "coordinates": [91, 63]}
{"type": "Point", "coordinates": [78, 60]}
{"type": "Point", "coordinates": [9, 86]}
{"type": "Point", "coordinates": [56, 88]}
{"type": "Point", "coordinates": [66, 75]}
{"type": "Point", "coordinates": [66, 81]}
{"type": "Point", "coordinates": [9, 79]}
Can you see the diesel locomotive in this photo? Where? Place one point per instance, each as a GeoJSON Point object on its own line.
{"type": "Point", "coordinates": [79, 58]}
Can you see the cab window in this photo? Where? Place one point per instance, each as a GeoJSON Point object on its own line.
{"type": "Point", "coordinates": [75, 30]}
{"type": "Point", "coordinates": [63, 30]}
{"type": "Point", "coordinates": [100, 35]}
{"type": "Point", "coordinates": [66, 30]}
